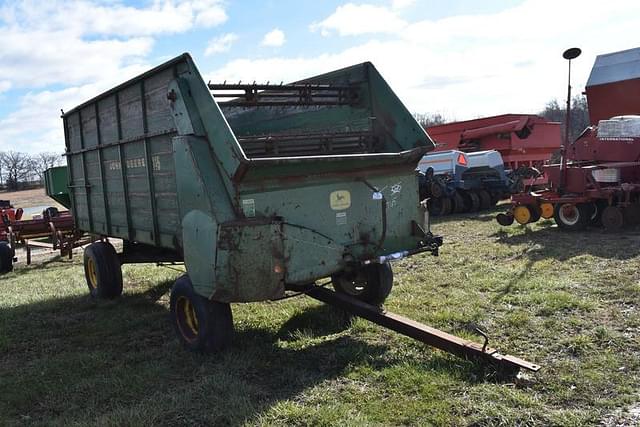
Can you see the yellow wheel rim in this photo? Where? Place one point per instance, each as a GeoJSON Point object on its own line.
{"type": "Point", "coordinates": [546, 210]}
{"type": "Point", "coordinates": [92, 273]}
{"type": "Point", "coordinates": [187, 318]}
{"type": "Point", "coordinates": [522, 214]}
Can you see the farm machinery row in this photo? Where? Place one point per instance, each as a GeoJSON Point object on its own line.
{"type": "Point", "coordinates": [455, 182]}
{"type": "Point", "coordinates": [481, 161]}
{"type": "Point", "coordinates": [597, 181]}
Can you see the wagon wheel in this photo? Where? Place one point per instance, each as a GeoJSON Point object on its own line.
{"type": "Point", "coordinates": [572, 217]}
{"type": "Point", "coordinates": [485, 199]}
{"type": "Point", "coordinates": [546, 210]}
{"type": "Point", "coordinates": [612, 218]}
{"type": "Point", "coordinates": [201, 325]}
{"type": "Point", "coordinates": [371, 284]}
{"type": "Point", "coordinates": [6, 258]}
{"type": "Point", "coordinates": [102, 270]}
{"type": "Point", "coordinates": [526, 214]}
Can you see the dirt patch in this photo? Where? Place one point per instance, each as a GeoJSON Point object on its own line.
{"type": "Point", "coordinates": [30, 198]}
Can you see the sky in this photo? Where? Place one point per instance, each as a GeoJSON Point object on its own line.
{"type": "Point", "coordinates": [459, 58]}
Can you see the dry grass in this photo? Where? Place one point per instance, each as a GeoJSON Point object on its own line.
{"type": "Point", "coordinates": [570, 302]}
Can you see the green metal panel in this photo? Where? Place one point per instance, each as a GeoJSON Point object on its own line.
{"type": "Point", "coordinates": [119, 150]}
{"type": "Point", "coordinates": [249, 252]}
{"type": "Point", "coordinates": [55, 184]}
{"type": "Point", "coordinates": [157, 160]}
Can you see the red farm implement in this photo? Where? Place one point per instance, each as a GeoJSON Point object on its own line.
{"type": "Point", "coordinates": [598, 180]}
{"type": "Point", "coordinates": [523, 140]}
{"type": "Point", "coordinates": [51, 230]}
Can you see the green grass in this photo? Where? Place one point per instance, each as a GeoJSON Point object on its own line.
{"type": "Point", "coordinates": [570, 302]}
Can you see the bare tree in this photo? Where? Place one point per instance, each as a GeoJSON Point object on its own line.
{"type": "Point", "coordinates": [43, 161]}
{"type": "Point", "coordinates": [430, 119]}
{"type": "Point", "coordinates": [17, 167]}
{"type": "Point", "coordinates": [579, 115]}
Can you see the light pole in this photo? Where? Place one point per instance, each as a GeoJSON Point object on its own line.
{"type": "Point", "coordinates": [568, 54]}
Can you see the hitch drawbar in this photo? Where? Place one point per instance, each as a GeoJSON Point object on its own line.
{"type": "Point", "coordinates": [423, 333]}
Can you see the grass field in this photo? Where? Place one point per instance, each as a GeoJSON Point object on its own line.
{"type": "Point", "coordinates": [567, 301]}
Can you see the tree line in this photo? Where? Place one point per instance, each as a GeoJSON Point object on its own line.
{"type": "Point", "coordinates": [19, 169]}
{"type": "Point", "coordinates": [554, 111]}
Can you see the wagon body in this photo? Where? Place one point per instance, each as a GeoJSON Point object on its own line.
{"type": "Point", "coordinates": [276, 188]}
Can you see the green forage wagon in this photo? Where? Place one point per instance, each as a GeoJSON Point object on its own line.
{"type": "Point", "coordinates": [257, 188]}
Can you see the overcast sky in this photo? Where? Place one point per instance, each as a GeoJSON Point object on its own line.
{"type": "Point", "coordinates": [460, 58]}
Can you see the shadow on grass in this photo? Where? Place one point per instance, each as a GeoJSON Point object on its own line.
{"type": "Point", "coordinates": [481, 216]}
{"type": "Point", "coordinates": [76, 360]}
{"type": "Point", "coordinates": [552, 242]}
{"type": "Point", "coordinates": [319, 321]}
{"type": "Point", "coordinates": [22, 269]}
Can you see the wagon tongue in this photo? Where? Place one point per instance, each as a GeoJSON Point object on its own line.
{"type": "Point", "coordinates": [505, 364]}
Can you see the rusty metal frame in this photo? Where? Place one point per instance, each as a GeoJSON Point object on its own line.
{"type": "Point", "coordinates": [423, 333]}
{"type": "Point", "coordinates": [252, 95]}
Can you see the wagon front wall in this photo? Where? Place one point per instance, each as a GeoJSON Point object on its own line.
{"type": "Point", "coordinates": [121, 167]}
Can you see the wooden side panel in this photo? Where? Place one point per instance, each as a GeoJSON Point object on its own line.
{"type": "Point", "coordinates": [122, 170]}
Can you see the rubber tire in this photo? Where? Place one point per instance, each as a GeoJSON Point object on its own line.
{"type": "Point", "coordinates": [535, 213]}
{"type": "Point", "coordinates": [215, 319]}
{"type": "Point", "coordinates": [447, 205]}
{"type": "Point", "coordinates": [440, 206]}
{"type": "Point", "coordinates": [6, 258]}
{"type": "Point", "coordinates": [619, 214]}
{"type": "Point", "coordinates": [485, 199]}
{"type": "Point", "coordinates": [596, 213]}
{"type": "Point", "coordinates": [436, 189]}
{"type": "Point", "coordinates": [108, 270]}
{"type": "Point", "coordinates": [459, 205]}
{"type": "Point", "coordinates": [50, 212]}
{"type": "Point", "coordinates": [584, 216]}
{"type": "Point", "coordinates": [504, 219]}
{"type": "Point", "coordinates": [379, 281]}
{"type": "Point", "coordinates": [475, 201]}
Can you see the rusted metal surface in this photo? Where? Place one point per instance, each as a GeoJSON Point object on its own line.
{"type": "Point", "coordinates": [423, 333]}
{"type": "Point", "coordinates": [267, 95]}
{"type": "Point", "coordinates": [313, 143]}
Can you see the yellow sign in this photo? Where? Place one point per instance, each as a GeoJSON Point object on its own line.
{"type": "Point", "coordinates": [340, 200]}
